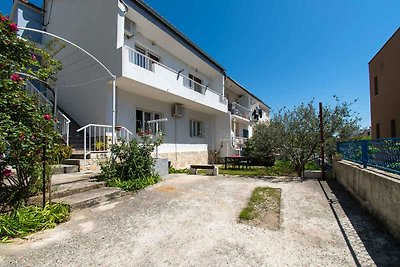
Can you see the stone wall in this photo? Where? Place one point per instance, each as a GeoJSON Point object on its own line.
{"type": "Point", "coordinates": [378, 191]}
{"type": "Point", "coordinates": [183, 160]}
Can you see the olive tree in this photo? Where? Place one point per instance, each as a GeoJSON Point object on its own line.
{"type": "Point", "coordinates": [295, 133]}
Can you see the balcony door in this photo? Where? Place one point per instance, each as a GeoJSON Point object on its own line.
{"type": "Point", "coordinates": [195, 83]}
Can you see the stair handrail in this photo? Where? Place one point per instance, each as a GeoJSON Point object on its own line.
{"type": "Point", "coordinates": [40, 94]}
{"type": "Point", "coordinates": [95, 131]}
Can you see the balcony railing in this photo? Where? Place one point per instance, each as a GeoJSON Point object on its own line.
{"type": "Point", "coordinates": [240, 111]}
{"type": "Point", "coordinates": [149, 64]}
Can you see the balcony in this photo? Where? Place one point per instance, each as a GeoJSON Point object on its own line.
{"type": "Point", "coordinates": [240, 111]}
{"type": "Point", "coordinates": [150, 71]}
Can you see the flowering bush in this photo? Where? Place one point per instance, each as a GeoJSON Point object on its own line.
{"type": "Point", "coordinates": [25, 129]}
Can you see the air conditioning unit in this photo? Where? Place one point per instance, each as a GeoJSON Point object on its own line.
{"type": "Point", "coordinates": [130, 28]}
{"type": "Point", "coordinates": [177, 110]}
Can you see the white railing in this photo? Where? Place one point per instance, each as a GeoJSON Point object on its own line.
{"type": "Point", "coordinates": [147, 63]}
{"type": "Point", "coordinates": [63, 121]}
{"type": "Point", "coordinates": [240, 110]}
{"type": "Point", "coordinates": [98, 138]}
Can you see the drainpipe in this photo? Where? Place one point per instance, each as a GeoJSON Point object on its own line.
{"type": "Point", "coordinates": [125, 5]}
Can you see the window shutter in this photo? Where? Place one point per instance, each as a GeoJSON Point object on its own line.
{"type": "Point", "coordinates": [191, 128]}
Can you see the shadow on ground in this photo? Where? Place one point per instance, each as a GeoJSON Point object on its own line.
{"type": "Point", "coordinates": [366, 238]}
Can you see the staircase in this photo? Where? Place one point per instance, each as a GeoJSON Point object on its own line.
{"type": "Point", "coordinates": [79, 189]}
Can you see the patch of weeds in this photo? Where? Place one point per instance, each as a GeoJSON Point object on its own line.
{"type": "Point", "coordinates": [134, 184]}
{"type": "Point", "coordinates": [263, 208]}
{"type": "Point", "coordinates": [173, 170]}
{"type": "Point", "coordinates": [23, 221]}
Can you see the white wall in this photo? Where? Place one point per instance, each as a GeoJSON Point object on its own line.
{"type": "Point", "coordinates": [91, 24]}
{"type": "Point", "coordinates": [177, 130]}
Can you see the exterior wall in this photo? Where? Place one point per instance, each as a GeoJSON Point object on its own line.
{"type": "Point", "coordinates": [84, 23]}
{"type": "Point", "coordinates": [179, 147]}
{"type": "Point", "coordinates": [377, 192]}
{"type": "Point", "coordinates": [28, 17]}
{"type": "Point", "coordinates": [385, 105]}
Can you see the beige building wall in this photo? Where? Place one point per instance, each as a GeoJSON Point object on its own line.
{"type": "Point", "coordinates": [384, 79]}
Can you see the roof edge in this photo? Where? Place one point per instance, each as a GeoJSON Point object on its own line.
{"type": "Point", "coordinates": [250, 93]}
{"type": "Point", "coordinates": [390, 38]}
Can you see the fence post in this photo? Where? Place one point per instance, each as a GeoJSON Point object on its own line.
{"type": "Point", "coordinates": [364, 152]}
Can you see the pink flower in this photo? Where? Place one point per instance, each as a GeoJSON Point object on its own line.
{"type": "Point", "coordinates": [4, 18]}
{"type": "Point", "coordinates": [13, 27]}
{"type": "Point", "coordinates": [15, 77]}
{"type": "Point", "coordinates": [47, 117]}
{"type": "Point", "coordinates": [33, 57]}
{"type": "Point", "coordinates": [7, 173]}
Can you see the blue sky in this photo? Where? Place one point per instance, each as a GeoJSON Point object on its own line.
{"type": "Point", "coordinates": [288, 52]}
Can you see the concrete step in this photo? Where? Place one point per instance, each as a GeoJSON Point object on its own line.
{"type": "Point", "coordinates": [64, 168]}
{"type": "Point", "coordinates": [68, 189]}
{"type": "Point", "coordinates": [59, 179]}
{"type": "Point", "coordinates": [91, 197]}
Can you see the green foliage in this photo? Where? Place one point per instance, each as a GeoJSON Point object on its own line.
{"type": "Point", "coordinates": [26, 220]}
{"type": "Point", "coordinates": [133, 184]}
{"type": "Point", "coordinates": [132, 166]}
{"type": "Point", "coordinates": [173, 170]}
{"type": "Point", "coordinates": [311, 166]}
{"type": "Point", "coordinates": [25, 129]}
{"type": "Point", "coordinates": [259, 148]}
{"type": "Point", "coordinates": [281, 168]}
{"type": "Point", "coordinates": [61, 152]}
{"type": "Point", "coordinates": [295, 134]}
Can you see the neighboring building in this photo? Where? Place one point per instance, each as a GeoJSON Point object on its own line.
{"type": "Point", "coordinates": [160, 74]}
{"type": "Point", "coordinates": [245, 110]}
{"type": "Point", "coordinates": [384, 80]}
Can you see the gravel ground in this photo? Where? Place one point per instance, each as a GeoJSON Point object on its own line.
{"type": "Point", "coordinates": [192, 221]}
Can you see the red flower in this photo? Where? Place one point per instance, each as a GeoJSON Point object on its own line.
{"type": "Point", "coordinates": [33, 57]}
{"type": "Point", "coordinates": [13, 27]}
{"type": "Point", "coordinates": [47, 117]}
{"type": "Point", "coordinates": [7, 173]}
{"type": "Point", "coordinates": [15, 77]}
{"type": "Point", "coordinates": [4, 18]}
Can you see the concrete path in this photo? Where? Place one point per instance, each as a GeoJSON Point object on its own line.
{"type": "Point", "coordinates": [192, 221]}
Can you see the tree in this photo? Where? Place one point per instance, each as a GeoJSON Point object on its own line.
{"type": "Point", "coordinates": [295, 133]}
{"type": "Point", "coordinates": [259, 147]}
{"type": "Point", "coordinates": [25, 128]}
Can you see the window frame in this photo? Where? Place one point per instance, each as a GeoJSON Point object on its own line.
{"type": "Point", "coordinates": [196, 128]}
{"type": "Point", "coordinates": [153, 115]}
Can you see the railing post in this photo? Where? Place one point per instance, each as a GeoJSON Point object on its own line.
{"type": "Point", "coordinates": [84, 145]}
{"type": "Point", "coordinates": [364, 153]}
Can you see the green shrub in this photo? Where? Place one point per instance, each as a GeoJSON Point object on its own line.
{"type": "Point", "coordinates": [26, 220]}
{"type": "Point", "coordinates": [133, 184]}
{"type": "Point", "coordinates": [173, 170]}
{"type": "Point", "coordinates": [132, 166]}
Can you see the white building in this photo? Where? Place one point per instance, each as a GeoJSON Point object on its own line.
{"type": "Point", "coordinates": [159, 73]}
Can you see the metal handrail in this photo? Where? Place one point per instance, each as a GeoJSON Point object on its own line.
{"type": "Point", "coordinates": [95, 138]}
{"type": "Point", "coordinates": [64, 130]}
{"type": "Point", "coordinates": [174, 71]}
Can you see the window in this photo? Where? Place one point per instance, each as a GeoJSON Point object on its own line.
{"type": "Point", "coordinates": [376, 85]}
{"type": "Point", "coordinates": [145, 58]}
{"type": "Point", "coordinates": [195, 83]}
{"type": "Point", "coordinates": [245, 133]}
{"type": "Point", "coordinates": [393, 128]}
{"type": "Point", "coordinates": [142, 117]}
{"type": "Point", "coordinates": [378, 131]}
{"type": "Point", "coordinates": [196, 128]}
